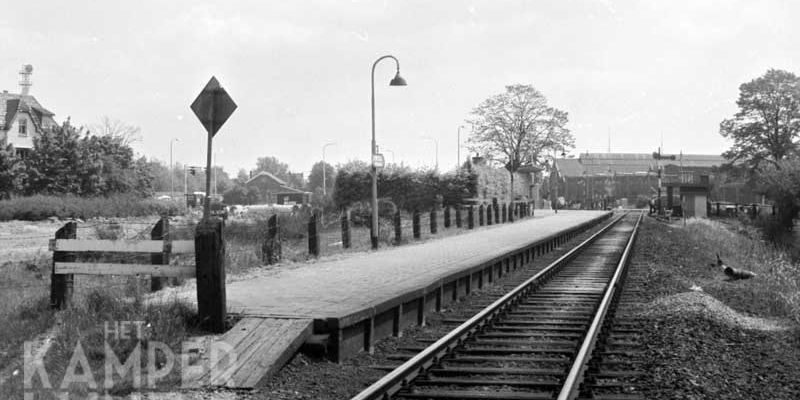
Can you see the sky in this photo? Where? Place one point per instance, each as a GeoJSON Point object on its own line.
{"type": "Point", "coordinates": [627, 72]}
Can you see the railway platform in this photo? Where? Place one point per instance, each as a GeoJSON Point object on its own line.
{"type": "Point", "coordinates": [347, 303]}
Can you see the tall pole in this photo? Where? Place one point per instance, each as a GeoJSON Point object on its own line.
{"type": "Point", "coordinates": [458, 152]}
{"type": "Point", "coordinates": [374, 230]}
{"type": "Point", "coordinates": [324, 185]}
{"type": "Point", "coordinates": [171, 172]}
{"type": "Point", "coordinates": [185, 187]}
{"type": "Point", "coordinates": [373, 233]}
{"type": "Point", "coordinates": [436, 142]}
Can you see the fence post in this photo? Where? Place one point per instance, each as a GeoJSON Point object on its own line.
{"type": "Point", "coordinates": [345, 228]}
{"type": "Point", "coordinates": [209, 249]}
{"type": "Point", "coordinates": [415, 224]}
{"type": "Point", "coordinates": [458, 216]}
{"type": "Point", "coordinates": [489, 214]}
{"type": "Point", "coordinates": [446, 217]}
{"type": "Point", "coordinates": [398, 228]}
{"type": "Point", "coordinates": [313, 237]}
{"type": "Point", "coordinates": [160, 232]}
{"type": "Point", "coordinates": [271, 249]}
{"type": "Point", "coordinates": [434, 222]}
{"type": "Point", "coordinates": [471, 217]}
{"type": "Point", "coordinates": [496, 212]}
{"type": "Point", "coordinates": [61, 285]}
{"type": "Point", "coordinates": [511, 212]}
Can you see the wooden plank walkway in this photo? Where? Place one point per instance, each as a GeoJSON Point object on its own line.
{"type": "Point", "coordinates": [251, 351]}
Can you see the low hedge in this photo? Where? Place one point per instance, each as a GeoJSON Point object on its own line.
{"type": "Point", "coordinates": [39, 207]}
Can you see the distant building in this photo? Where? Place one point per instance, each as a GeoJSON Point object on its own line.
{"type": "Point", "coordinates": [595, 179]}
{"type": "Point", "coordinates": [22, 118]}
{"type": "Point", "coordinates": [273, 190]}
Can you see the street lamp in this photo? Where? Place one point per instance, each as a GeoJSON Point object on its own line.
{"type": "Point", "coordinates": [458, 152]}
{"type": "Point", "coordinates": [171, 170]}
{"type": "Point", "coordinates": [396, 81]}
{"type": "Point", "coordinates": [436, 142]}
{"type": "Point", "coordinates": [324, 186]}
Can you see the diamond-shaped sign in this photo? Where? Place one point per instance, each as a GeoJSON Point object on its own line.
{"type": "Point", "coordinates": [213, 106]}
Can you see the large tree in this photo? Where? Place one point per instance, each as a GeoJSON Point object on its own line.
{"type": "Point", "coordinates": [518, 128]}
{"type": "Point", "coordinates": [115, 128]}
{"type": "Point", "coordinates": [9, 172]}
{"type": "Point", "coordinates": [66, 160]}
{"type": "Point", "coordinates": [767, 125]}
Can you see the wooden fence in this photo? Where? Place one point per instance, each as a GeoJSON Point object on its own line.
{"type": "Point", "coordinates": [207, 246]}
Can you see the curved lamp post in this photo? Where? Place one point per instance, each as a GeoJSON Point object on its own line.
{"type": "Point", "coordinates": [396, 81]}
{"type": "Point", "coordinates": [324, 185]}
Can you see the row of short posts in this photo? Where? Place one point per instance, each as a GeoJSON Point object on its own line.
{"type": "Point", "coordinates": [487, 215]}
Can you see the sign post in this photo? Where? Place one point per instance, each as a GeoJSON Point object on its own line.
{"type": "Point", "coordinates": [212, 107]}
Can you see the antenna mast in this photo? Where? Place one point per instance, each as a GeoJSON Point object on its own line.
{"type": "Point", "coordinates": [25, 79]}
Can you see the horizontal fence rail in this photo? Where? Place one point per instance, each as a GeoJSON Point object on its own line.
{"type": "Point", "coordinates": [122, 246]}
{"type": "Point", "coordinates": [83, 268]}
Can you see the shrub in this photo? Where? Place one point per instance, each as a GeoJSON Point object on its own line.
{"type": "Point", "coordinates": [407, 189]}
{"type": "Point", "coordinates": [39, 207]}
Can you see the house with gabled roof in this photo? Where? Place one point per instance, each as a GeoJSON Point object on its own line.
{"type": "Point", "coordinates": [273, 190]}
{"type": "Point", "coordinates": [22, 117]}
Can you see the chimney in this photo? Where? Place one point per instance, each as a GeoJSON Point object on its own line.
{"type": "Point", "coordinates": [25, 79]}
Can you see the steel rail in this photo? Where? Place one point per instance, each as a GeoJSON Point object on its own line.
{"type": "Point", "coordinates": [392, 382]}
{"type": "Point", "coordinates": [570, 387]}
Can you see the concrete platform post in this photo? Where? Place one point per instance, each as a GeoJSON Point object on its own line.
{"type": "Point", "coordinates": [398, 228]}
{"type": "Point", "coordinates": [313, 237]}
{"type": "Point", "coordinates": [480, 215]}
{"type": "Point", "coordinates": [209, 249]}
{"type": "Point", "coordinates": [160, 232]}
{"type": "Point", "coordinates": [471, 217]}
{"type": "Point", "coordinates": [458, 217]}
{"type": "Point", "coordinates": [434, 221]}
{"type": "Point", "coordinates": [415, 224]}
{"type": "Point", "coordinates": [489, 214]}
{"type": "Point", "coordinates": [446, 217]}
{"type": "Point", "coordinates": [61, 285]}
{"type": "Point", "coordinates": [345, 228]}
{"type": "Point", "coordinates": [271, 249]}
{"type": "Point", "coordinates": [504, 213]}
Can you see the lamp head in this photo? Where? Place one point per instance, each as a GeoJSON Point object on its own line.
{"type": "Point", "coordinates": [397, 80]}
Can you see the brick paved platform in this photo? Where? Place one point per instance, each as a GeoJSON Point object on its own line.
{"type": "Point", "coordinates": [362, 297]}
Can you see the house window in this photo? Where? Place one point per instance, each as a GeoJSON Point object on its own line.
{"type": "Point", "coordinates": [23, 127]}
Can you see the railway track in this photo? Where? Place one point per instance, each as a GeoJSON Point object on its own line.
{"type": "Point", "coordinates": [537, 341]}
